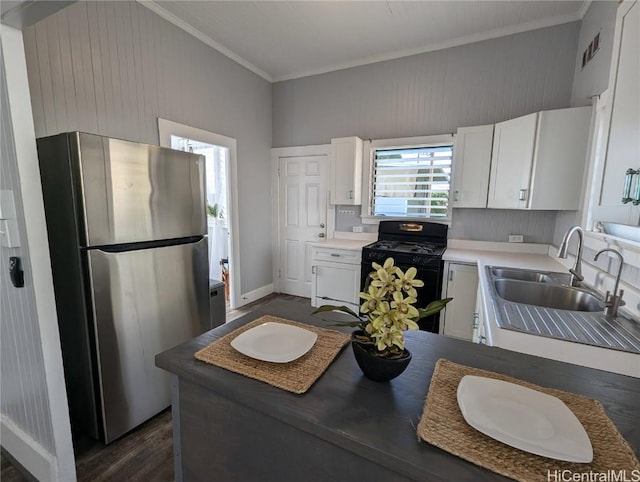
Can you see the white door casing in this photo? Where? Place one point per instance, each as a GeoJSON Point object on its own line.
{"type": "Point", "coordinates": [302, 175]}
{"type": "Point", "coordinates": [166, 129]}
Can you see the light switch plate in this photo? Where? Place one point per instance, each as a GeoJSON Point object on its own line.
{"type": "Point", "coordinates": [7, 205]}
{"type": "Point", "coordinates": [9, 235]}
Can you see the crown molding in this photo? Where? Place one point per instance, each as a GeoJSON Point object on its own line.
{"type": "Point", "coordinates": [178, 22]}
{"type": "Point", "coordinates": [496, 33]}
{"type": "Point", "coordinates": [583, 9]}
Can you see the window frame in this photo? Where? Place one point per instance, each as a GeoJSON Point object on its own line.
{"type": "Point", "coordinates": [369, 149]}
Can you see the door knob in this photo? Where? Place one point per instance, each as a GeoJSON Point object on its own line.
{"type": "Point", "coordinates": [322, 225]}
{"type": "Point", "coordinates": [321, 235]}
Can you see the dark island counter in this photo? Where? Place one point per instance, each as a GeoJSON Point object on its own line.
{"type": "Point", "coordinates": [346, 427]}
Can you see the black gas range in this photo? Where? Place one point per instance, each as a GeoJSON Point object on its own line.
{"type": "Point", "coordinates": [418, 244]}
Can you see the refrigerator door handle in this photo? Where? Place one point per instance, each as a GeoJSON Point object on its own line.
{"type": "Point", "coordinates": [126, 247]}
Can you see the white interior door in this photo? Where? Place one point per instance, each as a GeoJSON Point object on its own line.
{"type": "Point", "coordinates": [302, 184]}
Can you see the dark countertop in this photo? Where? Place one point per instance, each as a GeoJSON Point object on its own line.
{"type": "Point", "coordinates": [378, 421]}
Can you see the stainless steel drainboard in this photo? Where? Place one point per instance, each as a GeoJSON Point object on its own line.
{"type": "Point", "coordinates": [587, 327]}
{"type": "Point", "coordinates": [580, 327]}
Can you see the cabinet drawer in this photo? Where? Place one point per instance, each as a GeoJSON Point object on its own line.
{"type": "Point", "coordinates": [337, 255]}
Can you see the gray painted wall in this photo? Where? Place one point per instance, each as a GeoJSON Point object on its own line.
{"type": "Point", "coordinates": [435, 93]}
{"type": "Point", "coordinates": [23, 398]}
{"type": "Point", "coordinates": [498, 224]}
{"type": "Point", "coordinates": [431, 93]}
{"type": "Point", "coordinates": [113, 68]}
{"type": "Point", "coordinates": [594, 78]}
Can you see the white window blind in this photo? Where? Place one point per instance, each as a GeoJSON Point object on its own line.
{"type": "Point", "coordinates": [412, 182]}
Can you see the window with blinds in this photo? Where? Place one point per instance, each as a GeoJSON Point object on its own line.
{"type": "Point", "coordinates": [412, 182]}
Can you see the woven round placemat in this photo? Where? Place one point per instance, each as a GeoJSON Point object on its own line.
{"type": "Point", "coordinates": [443, 425]}
{"type": "Point", "coordinates": [296, 376]}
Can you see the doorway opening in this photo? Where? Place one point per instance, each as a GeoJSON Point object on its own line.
{"type": "Point", "coordinates": [219, 154]}
{"type": "Point", "coordinates": [217, 204]}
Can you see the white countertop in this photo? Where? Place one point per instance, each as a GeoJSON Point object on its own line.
{"type": "Point", "coordinates": [353, 244]}
{"type": "Point", "coordinates": [615, 361]}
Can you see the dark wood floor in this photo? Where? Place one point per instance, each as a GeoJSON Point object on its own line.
{"type": "Point", "coordinates": [145, 454]}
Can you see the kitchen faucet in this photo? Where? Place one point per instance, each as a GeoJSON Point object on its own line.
{"type": "Point", "coordinates": [613, 301]}
{"type": "Point", "coordinates": [576, 271]}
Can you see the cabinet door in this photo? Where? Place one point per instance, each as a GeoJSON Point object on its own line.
{"type": "Point", "coordinates": [562, 134]}
{"type": "Point", "coordinates": [513, 143]}
{"type": "Point", "coordinates": [462, 285]}
{"type": "Point", "coordinates": [337, 283]}
{"type": "Point", "coordinates": [623, 144]}
{"type": "Point", "coordinates": [471, 166]}
{"type": "Point", "coordinates": [481, 335]}
{"type": "Point", "coordinates": [346, 170]}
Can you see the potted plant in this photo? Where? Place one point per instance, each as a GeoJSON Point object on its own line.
{"type": "Point", "coordinates": [385, 314]}
{"type": "Point", "coordinates": [212, 211]}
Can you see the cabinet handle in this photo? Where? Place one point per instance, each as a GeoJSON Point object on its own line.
{"type": "Point", "coordinates": [313, 270]}
{"type": "Point", "coordinates": [335, 255]}
{"type": "Point", "coordinates": [626, 190]}
{"type": "Point", "coordinates": [456, 196]}
{"type": "Point", "coordinates": [351, 194]}
{"type": "Point", "coordinates": [636, 196]}
{"type": "Point", "coordinates": [522, 196]}
{"type": "Point", "coordinates": [474, 321]}
{"type": "Point", "coordinates": [450, 275]}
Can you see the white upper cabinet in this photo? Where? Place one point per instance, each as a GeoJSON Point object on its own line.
{"type": "Point", "coordinates": [618, 126]}
{"type": "Point", "coordinates": [471, 166]}
{"type": "Point", "coordinates": [538, 160]}
{"type": "Point", "coordinates": [346, 170]}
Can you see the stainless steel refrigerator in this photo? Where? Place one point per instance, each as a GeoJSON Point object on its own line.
{"type": "Point", "coordinates": [127, 236]}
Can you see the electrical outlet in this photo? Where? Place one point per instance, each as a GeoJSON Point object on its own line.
{"type": "Point", "coordinates": [516, 238]}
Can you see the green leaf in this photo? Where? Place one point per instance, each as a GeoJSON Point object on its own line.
{"type": "Point", "coordinates": [352, 324]}
{"type": "Point", "coordinates": [343, 309]}
{"type": "Point", "coordinates": [433, 308]}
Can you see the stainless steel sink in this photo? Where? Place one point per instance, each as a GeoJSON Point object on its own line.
{"type": "Point", "coordinates": [543, 303]}
{"type": "Point", "coordinates": [549, 296]}
{"type": "Point", "coordinates": [521, 274]}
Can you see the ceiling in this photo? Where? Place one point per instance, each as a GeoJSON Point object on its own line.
{"type": "Point", "coordinates": [282, 40]}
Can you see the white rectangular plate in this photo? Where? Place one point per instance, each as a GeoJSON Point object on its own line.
{"type": "Point", "coordinates": [275, 342]}
{"type": "Point", "coordinates": [523, 418]}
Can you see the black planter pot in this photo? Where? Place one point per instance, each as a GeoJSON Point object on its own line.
{"type": "Point", "coordinates": [377, 368]}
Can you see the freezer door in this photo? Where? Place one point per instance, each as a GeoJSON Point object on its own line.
{"type": "Point", "coordinates": [144, 302]}
{"type": "Point", "coordinates": [129, 192]}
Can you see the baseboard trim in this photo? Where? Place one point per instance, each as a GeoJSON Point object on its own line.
{"type": "Point", "coordinates": [256, 294]}
{"type": "Point", "coordinates": [32, 456]}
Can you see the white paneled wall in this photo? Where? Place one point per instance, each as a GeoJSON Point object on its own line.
{"type": "Point", "coordinates": [498, 224]}
{"type": "Point", "coordinates": [23, 397]}
{"type": "Point", "coordinates": [593, 79]}
{"type": "Point", "coordinates": [431, 93]}
{"type": "Point", "coordinates": [113, 68]}
{"type": "Point", "coordinates": [435, 93]}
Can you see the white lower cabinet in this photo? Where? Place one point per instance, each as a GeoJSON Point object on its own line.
{"type": "Point", "coordinates": [480, 332]}
{"type": "Point", "coordinates": [461, 284]}
{"type": "Point", "coordinates": [335, 277]}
